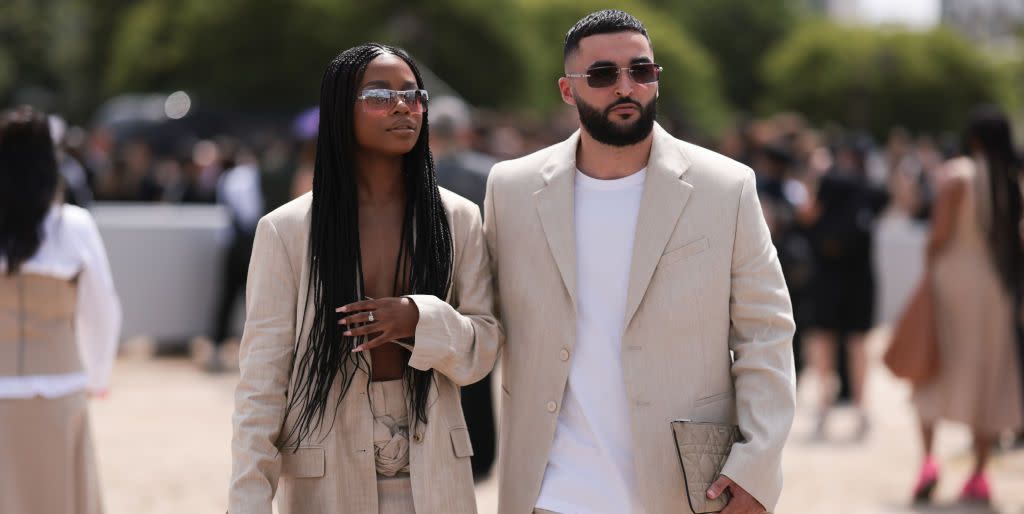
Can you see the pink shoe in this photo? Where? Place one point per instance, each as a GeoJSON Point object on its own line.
{"type": "Point", "coordinates": [926, 481]}
{"type": "Point", "coordinates": [976, 490]}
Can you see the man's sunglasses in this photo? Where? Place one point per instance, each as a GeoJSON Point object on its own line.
{"type": "Point", "coordinates": [379, 101]}
{"type": "Point", "coordinates": [604, 76]}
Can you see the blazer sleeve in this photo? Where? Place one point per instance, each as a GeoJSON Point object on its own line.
{"type": "Point", "coordinates": [265, 361]}
{"type": "Point", "coordinates": [761, 338]}
{"type": "Point", "coordinates": [460, 339]}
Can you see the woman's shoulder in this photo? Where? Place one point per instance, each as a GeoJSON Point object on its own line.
{"type": "Point", "coordinates": [291, 215]}
{"type": "Point", "coordinates": [460, 210]}
{"type": "Point", "coordinates": [72, 219]}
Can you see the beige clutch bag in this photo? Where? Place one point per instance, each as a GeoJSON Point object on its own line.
{"type": "Point", "coordinates": [703, 449]}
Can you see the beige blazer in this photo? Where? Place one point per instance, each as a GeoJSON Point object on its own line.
{"type": "Point", "coordinates": [704, 281]}
{"type": "Point", "coordinates": [334, 470]}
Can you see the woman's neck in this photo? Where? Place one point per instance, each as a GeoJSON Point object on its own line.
{"type": "Point", "coordinates": [379, 179]}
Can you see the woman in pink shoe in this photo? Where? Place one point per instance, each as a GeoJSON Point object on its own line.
{"type": "Point", "coordinates": [974, 257]}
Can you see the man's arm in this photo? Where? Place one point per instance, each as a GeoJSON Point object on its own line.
{"type": "Point", "coordinates": [761, 339]}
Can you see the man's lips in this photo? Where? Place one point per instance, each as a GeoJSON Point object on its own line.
{"type": "Point", "coordinates": [625, 109]}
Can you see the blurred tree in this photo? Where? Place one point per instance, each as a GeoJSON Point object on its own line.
{"type": "Point", "coordinates": [272, 54]}
{"type": "Point", "coordinates": [504, 54]}
{"type": "Point", "coordinates": [875, 79]}
{"type": "Point", "coordinates": [737, 34]}
{"type": "Point", "coordinates": [44, 49]}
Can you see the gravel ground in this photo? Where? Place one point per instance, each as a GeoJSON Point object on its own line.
{"type": "Point", "coordinates": [163, 440]}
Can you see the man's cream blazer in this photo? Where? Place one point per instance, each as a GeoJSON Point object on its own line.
{"type": "Point", "coordinates": [708, 321]}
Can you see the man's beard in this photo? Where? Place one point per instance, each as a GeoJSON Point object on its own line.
{"type": "Point", "coordinates": [603, 130]}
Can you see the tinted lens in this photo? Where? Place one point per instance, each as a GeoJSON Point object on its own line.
{"type": "Point", "coordinates": [377, 100]}
{"type": "Point", "coordinates": [416, 100]}
{"type": "Point", "coordinates": [603, 76]}
{"type": "Point", "coordinates": [644, 73]}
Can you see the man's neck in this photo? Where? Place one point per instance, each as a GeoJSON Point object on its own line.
{"type": "Point", "coordinates": [607, 162]}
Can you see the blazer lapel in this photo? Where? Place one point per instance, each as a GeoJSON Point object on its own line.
{"type": "Point", "coordinates": [664, 198]}
{"type": "Point", "coordinates": [555, 207]}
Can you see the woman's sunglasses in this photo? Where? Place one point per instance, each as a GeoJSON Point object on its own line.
{"type": "Point", "coordinates": [604, 76]}
{"type": "Point", "coordinates": [380, 101]}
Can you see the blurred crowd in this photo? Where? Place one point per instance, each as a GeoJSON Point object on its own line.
{"type": "Point", "coordinates": [823, 191]}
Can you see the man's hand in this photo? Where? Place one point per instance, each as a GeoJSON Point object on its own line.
{"type": "Point", "coordinates": [741, 503]}
{"type": "Point", "coordinates": [393, 319]}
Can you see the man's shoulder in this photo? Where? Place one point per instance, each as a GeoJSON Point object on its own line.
{"type": "Point", "coordinates": [710, 165]}
{"type": "Point", "coordinates": [526, 168]}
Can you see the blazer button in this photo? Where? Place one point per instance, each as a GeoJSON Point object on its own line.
{"type": "Point", "coordinates": [564, 354]}
{"type": "Point", "coordinates": [552, 406]}
{"type": "Point", "coordinates": [417, 437]}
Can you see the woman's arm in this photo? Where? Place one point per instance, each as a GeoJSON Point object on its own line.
{"type": "Point", "coordinates": [947, 204]}
{"type": "Point", "coordinates": [265, 361]}
{"type": "Point", "coordinates": [98, 316]}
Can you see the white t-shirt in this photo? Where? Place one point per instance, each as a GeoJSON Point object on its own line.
{"type": "Point", "coordinates": [72, 246]}
{"type": "Point", "coordinates": [590, 469]}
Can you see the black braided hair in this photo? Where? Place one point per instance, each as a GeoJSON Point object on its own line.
{"type": "Point", "coordinates": [334, 244]}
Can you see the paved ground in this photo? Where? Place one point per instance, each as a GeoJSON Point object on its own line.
{"type": "Point", "coordinates": [163, 443]}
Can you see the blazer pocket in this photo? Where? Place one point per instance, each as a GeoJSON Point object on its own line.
{"type": "Point", "coordinates": [305, 462]}
{"type": "Point", "coordinates": [460, 442]}
{"type": "Point", "coordinates": [687, 250]}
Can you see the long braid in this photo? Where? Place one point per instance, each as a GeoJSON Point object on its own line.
{"type": "Point", "coordinates": [334, 249]}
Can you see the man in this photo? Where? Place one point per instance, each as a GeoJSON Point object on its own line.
{"type": "Point", "coordinates": [629, 265]}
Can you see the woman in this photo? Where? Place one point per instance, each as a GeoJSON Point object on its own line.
{"type": "Point", "coordinates": [352, 355]}
{"type": "Point", "coordinates": [843, 286]}
{"type": "Point", "coordinates": [973, 259]}
{"type": "Point", "coordinates": [59, 324]}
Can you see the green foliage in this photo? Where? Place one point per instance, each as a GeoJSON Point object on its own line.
{"type": "Point", "coordinates": [878, 78]}
{"type": "Point", "coordinates": [269, 56]}
{"type": "Point", "coordinates": [272, 54]}
{"type": "Point", "coordinates": [43, 53]}
{"type": "Point", "coordinates": [737, 34]}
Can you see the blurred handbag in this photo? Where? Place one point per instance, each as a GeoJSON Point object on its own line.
{"type": "Point", "coordinates": [703, 449]}
{"type": "Point", "coordinates": [913, 353]}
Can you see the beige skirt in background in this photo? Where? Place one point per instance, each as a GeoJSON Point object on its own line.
{"type": "Point", "coordinates": [48, 464]}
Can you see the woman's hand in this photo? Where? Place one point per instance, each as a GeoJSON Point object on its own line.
{"type": "Point", "coordinates": [392, 319]}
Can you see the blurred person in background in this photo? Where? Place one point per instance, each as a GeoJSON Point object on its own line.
{"type": "Point", "coordinates": [352, 357]}
{"type": "Point", "coordinates": [76, 178]}
{"type": "Point", "coordinates": [464, 172]}
{"type": "Point", "coordinates": [842, 295]}
{"type": "Point", "coordinates": [302, 180]}
{"type": "Point", "coordinates": [459, 169]}
{"type": "Point", "coordinates": [59, 325]}
{"type": "Point", "coordinates": [239, 191]}
{"type": "Point", "coordinates": [974, 259]}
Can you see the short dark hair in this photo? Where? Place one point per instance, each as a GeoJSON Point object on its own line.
{"type": "Point", "coordinates": [608, 21]}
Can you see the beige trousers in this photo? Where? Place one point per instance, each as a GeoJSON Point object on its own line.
{"type": "Point", "coordinates": [47, 463]}
{"type": "Point", "coordinates": [391, 445]}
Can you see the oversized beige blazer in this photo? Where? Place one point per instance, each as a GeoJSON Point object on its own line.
{"type": "Point", "coordinates": [333, 472]}
{"type": "Point", "coordinates": [704, 281]}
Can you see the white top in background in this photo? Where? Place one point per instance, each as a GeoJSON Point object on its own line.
{"type": "Point", "coordinates": [72, 246]}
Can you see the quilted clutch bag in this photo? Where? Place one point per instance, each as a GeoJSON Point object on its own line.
{"type": "Point", "coordinates": [703, 449]}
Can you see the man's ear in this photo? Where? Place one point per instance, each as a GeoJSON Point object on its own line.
{"type": "Point", "coordinates": [565, 89]}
